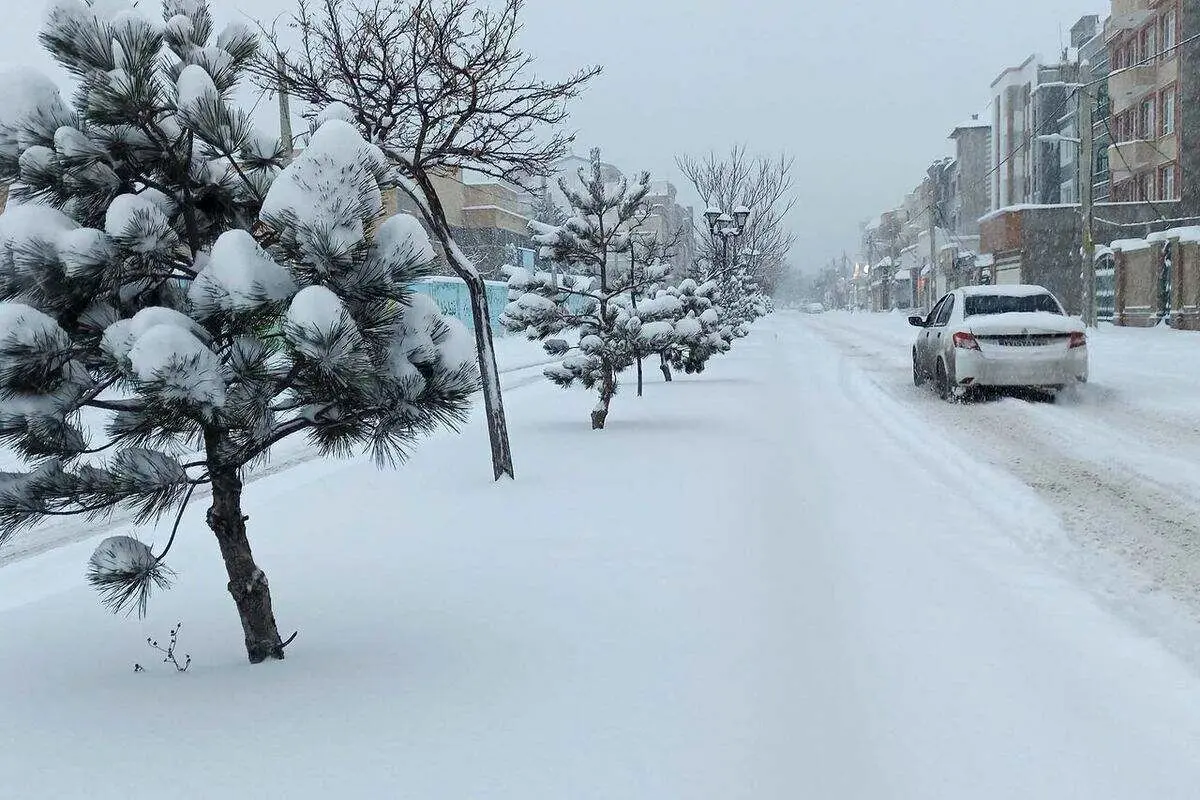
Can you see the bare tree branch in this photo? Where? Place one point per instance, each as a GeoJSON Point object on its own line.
{"type": "Point", "coordinates": [439, 85]}
{"type": "Point", "coordinates": [764, 184]}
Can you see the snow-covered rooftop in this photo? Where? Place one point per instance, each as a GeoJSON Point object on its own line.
{"type": "Point", "coordinates": [971, 124]}
{"type": "Point", "coordinates": [1130, 245]}
{"type": "Point", "coordinates": [1190, 233]}
{"type": "Point", "coordinates": [999, 212]}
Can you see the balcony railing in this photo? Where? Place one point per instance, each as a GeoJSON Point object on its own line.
{"type": "Point", "coordinates": [1126, 16]}
{"type": "Point", "coordinates": [1127, 86]}
{"type": "Point", "coordinates": [1130, 158]}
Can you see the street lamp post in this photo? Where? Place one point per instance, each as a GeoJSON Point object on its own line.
{"type": "Point", "coordinates": [724, 227]}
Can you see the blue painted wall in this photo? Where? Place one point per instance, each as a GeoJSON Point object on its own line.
{"type": "Point", "coordinates": [451, 296]}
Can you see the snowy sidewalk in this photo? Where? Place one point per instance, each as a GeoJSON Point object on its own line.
{"type": "Point", "coordinates": [754, 585]}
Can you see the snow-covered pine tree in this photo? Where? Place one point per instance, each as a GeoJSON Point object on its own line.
{"type": "Point", "coordinates": [597, 243]}
{"type": "Point", "coordinates": [740, 300]}
{"type": "Point", "coordinates": [697, 330]}
{"type": "Point", "coordinates": [545, 209]}
{"type": "Point", "coordinates": [158, 269]}
{"type": "Point", "coordinates": [659, 307]}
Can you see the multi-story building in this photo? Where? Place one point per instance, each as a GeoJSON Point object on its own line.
{"type": "Point", "coordinates": [1155, 134]}
{"type": "Point", "coordinates": [572, 170]}
{"type": "Point", "coordinates": [1087, 35]}
{"type": "Point", "coordinates": [489, 219]}
{"type": "Point", "coordinates": [970, 188]}
{"type": "Point", "coordinates": [1055, 110]}
{"type": "Point", "coordinates": [670, 220]}
{"type": "Point", "coordinates": [667, 215]}
{"type": "Point", "coordinates": [1012, 125]}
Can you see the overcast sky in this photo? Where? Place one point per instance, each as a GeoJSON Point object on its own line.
{"type": "Point", "coordinates": [862, 92]}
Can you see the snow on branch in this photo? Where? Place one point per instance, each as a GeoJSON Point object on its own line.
{"type": "Point", "coordinates": [161, 267]}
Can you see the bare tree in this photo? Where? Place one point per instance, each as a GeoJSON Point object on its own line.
{"type": "Point", "coordinates": [764, 184]}
{"type": "Point", "coordinates": [439, 85]}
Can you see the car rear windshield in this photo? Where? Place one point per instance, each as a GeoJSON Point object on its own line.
{"type": "Point", "coordinates": [982, 304]}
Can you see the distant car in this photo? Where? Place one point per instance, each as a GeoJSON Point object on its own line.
{"type": "Point", "coordinates": [815, 308]}
{"type": "Point", "coordinates": [999, 336]}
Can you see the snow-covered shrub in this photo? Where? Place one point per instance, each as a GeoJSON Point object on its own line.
{"type": "Point", "coordinates": [610, 266]}
{"type": "Point", "coordinates": [152, 245]}
{"type": "Point", "coordinates": [698, 334]}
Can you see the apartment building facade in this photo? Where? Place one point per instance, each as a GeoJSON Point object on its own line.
{"type": "Point", "coordinates": [1089, 36]}
{"type": "Point", "coordinates": [1012, 124]}
{"type": "Point", "coordinates": [1154, 132]}
{"type": "Point", "coordinates": [970, 189]}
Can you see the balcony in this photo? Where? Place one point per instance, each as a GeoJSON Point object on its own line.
{"type": "Point", "coordinates": [1130, 158]}
{"type": "Point", "coordinates": [1127, 16]}
{"type": "Point", "coordinates": [1128, 86]}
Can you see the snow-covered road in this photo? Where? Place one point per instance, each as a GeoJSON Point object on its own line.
{"type": "Point", "coordinates": [1118, 461]}
{"type": "Point", "coordinates": [944, 644]}
{"type": "Point", "coordinates": [791, 577]}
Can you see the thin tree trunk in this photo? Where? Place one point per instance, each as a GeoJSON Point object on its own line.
{"type": "Point", "coordinates": [608, 388]}
{"type": "Point", "coordinates": [665, 366]}
{"type": "Point", "coordinates": [493, 401]}
{"type": "Point", "coordinates": [247, 583]}
{"type": "Point", "coordinates": [639, 370]}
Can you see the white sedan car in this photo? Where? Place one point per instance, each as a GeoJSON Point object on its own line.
{"type": "Point", "coordinates": [999, 336]}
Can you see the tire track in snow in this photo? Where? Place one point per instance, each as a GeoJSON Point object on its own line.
{"type": "Point", "coordinates": [1122, 482]}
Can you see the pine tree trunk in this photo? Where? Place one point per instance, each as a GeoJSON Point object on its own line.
{"type": "Point", "coordinates": [639, 370]}
{"type": "Point", "coordinates": [247, 583]}
{"type": "Point", "coordinates": [608, 388]}
{"type": "Point", "coordinates": [665, 366]}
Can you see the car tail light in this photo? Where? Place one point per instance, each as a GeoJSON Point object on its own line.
{"type": "Point", "coordinates": [1078, 340]}
{"type": "Point", "coordinates": [965, 341]}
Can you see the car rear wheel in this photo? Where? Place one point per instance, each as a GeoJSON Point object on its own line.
{"type": "Point", "coordinates": [942, 382]}
{"type": "Point", "coordinates": [918, 376]}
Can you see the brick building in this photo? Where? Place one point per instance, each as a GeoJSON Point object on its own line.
{"type": "Point", "coordinates": [1155, 133]}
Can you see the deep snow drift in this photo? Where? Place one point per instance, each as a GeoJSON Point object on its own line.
{"type": "Point", "coordinates": [773, 581]}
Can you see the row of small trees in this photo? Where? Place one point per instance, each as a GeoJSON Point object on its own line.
{"type": "Point", "coordinates": [179, 293]}
{"type": "Point", "coordinates": [612, 287]}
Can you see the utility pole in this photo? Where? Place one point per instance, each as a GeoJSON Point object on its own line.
{"type": "Point", "coordinates": [934, 267]}
{"type": "Point", "coordinates": [285, 114]}
{"type": "Point", "coordinates": [1087, 160]}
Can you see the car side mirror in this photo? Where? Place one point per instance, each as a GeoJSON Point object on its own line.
{"type": "Point", "coordinates": [917, 321]}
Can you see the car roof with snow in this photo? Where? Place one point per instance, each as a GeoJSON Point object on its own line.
{"type": "Point", "coordinates": [1019, 290]}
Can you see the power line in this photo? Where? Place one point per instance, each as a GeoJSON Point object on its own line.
{"type": "Point", "coordinates": [1174, 220]}
{"type": "Point", "coordinates": [1056, 116]}
{"type": "Point", "coordinates": [1026, 140]}
{"type": "Point", "coordinates": [1121, 155]}
{"type": "Point", "coordinates": [1143, 62]}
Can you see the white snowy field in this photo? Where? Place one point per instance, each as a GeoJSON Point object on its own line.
{"type": "Point", "coordinates": [786, 578]}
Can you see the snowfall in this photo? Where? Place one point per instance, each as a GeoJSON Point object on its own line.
{"type": "Point", "coordinates": [794, 576]}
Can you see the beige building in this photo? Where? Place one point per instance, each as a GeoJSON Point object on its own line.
{"type": "Point", "coordinates": [488, 218]}
{"type": "Point", "coordinates": [1145, 93]}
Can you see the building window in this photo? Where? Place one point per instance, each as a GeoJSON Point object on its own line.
{"type": "Point", "coordinates": [1146, 126]}
{"type": "Point", "coordinates": [1121, 127]}
{"type": "Point", "coordinates": [1144, 187]}
{"type": "Point", "coordinates": [1168, 111]}
{"type": "Point", "coordinates": [1147, 42]}
{"type": "Point", "coordinates": [1167, 30]}
{"type": "Point", "coordinates": [1102, 101]}
{"type": "Point", "coordinates": [1166, 183]}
